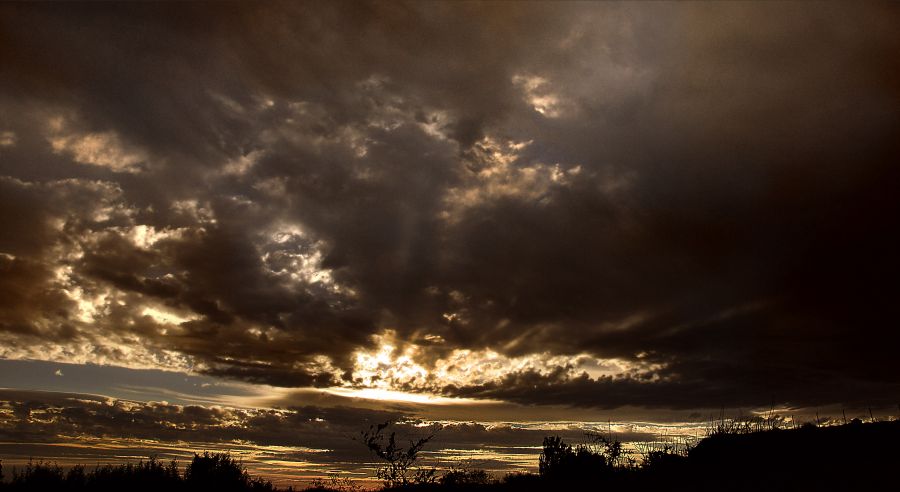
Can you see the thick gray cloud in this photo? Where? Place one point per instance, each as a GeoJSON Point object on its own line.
{"type": "Point", "coordinates": [704, 192]}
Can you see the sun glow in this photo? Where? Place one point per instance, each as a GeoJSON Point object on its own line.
{"type": "Point", "coordinates": [386, 366]}
{"type": "Point", "coordinates": [165, 317]}
{"type": "Point", "coordinates": [397, 371]}
{"type": "Point", "coordinates": [400, 396]}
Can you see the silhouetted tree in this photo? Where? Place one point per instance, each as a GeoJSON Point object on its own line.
{"type": "Point", "coordinates": [400, 468]}
{"type": "Point", "coordinates": [553, 456]}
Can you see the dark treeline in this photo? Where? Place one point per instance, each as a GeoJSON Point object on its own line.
{"type": "Point", "coordinates": [752, 454]}
{"type": "Point", "coordinates": [853, 456]}
{"type": "Point", "coordinates": [219, 472]}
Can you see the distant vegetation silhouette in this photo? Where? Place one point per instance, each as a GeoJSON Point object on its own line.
{"type": "Point", "coordinates": [736, 455]}
{"type": "Point", "coordinates": [219, 472]}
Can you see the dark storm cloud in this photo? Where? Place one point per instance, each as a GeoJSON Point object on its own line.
{"type": "Point", "coordinates": [705, 191]}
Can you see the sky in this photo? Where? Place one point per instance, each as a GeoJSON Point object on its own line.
{"type": "Point", "coordinates": [264, 226]}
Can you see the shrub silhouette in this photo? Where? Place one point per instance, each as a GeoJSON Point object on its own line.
{"type": "Point", "coordinates": [335, 483]}
{"type": "Point", "coordinates": [561, 462]}
{"type": "Point", "coordinates": [464, 477]}
{"type": "Point", "coordinates": [665, 460]}
{"type": "Point", "coordinates": [76, 478]}
{"type": "Point", "coordinates": [221, 472]}
{"type": "Point", "coordinates": [39, 475]}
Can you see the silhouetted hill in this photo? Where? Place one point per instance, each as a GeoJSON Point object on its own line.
{"type": "Point", "coordinates": [846, 457]}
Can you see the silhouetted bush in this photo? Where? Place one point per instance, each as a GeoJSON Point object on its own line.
{"type": "Point", "coordinates": [521, 481]}
{"type": "Point", "coordinates": [76, 478]}
{"type": "Point", "coordinates": [221, 472]}
{"type": "Point", "coordinates": [464, 477]}
{"type": "Point", "coordinates": [663, 460]}
{"type": "Point", "coordinates": [335, 483]}
{"type": "Point", "coordinates": [39, 475]}
{"type": "Point", "coordinates": [561, 462]}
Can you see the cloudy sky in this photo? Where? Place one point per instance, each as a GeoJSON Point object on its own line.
{"type": "Point", "coordinates": [243, 218]}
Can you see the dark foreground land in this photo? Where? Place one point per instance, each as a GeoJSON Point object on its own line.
{"type": "Point", "coordinates": [854, 456]}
